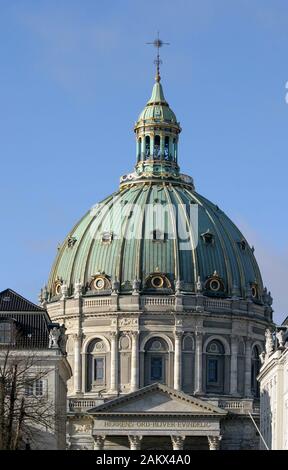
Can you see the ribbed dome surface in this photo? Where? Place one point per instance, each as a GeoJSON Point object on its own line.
{"type": "Point", "coordinates": [136, 258]}
{"type": "Point", "coordinates": [157, 107]}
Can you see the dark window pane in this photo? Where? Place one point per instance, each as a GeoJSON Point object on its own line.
{"type": "Point", "coordinates": [212, 370]}
{"type": "Point", "coordinates": [5, 333]}
{"type": "Point", "coordinates": [156, 368]}
{"type": "Point", "coordinates": [99, 368]}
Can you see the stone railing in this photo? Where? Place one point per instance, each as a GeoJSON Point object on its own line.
{"type": "Point", "coordinates": [82, 404]}
{"type": "Point", "coordinates": [100, 302]}
{"type": "Point", "coordinates": [243, 406]}
{"type": "Point", "coordinates": [157, 302]}
{"type": "Point", "coordinates": [217, 304]}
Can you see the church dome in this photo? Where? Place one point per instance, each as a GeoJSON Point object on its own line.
{"type": "Point", "coordinates": [117, 240]}
{"type": "Point", "coordinates": [123, 242]}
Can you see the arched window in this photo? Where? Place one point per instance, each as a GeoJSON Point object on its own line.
{"type": "Point", "coordinates": [166, 148]}
{"type": "Point", "coordinates": [188, 362]}
{"type": "Point", "coordinates": [215, 367]}
{"type": "Point", "coordinates": [147, 146]}
{"type": "Point", "coordinates": [255, 368]}
{"type": "Point", "coordinates": [156, 361]}
{"type": "Point", "coordinates": [96, 365]}
{"type": "Point", "coordinates": [156, 152]}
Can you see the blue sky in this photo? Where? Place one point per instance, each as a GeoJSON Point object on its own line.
{"type": "Point", "coordinates": [75, 75]}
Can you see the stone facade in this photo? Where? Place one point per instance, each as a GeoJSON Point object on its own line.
{"type": "Point", "coordinates": [273, 380]}
{"type": "Point", "coordinates": [109, 329]}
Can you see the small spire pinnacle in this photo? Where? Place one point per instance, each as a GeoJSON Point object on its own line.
{"type": "Point", "coordinates": [158, 43]}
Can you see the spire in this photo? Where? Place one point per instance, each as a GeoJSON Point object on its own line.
{"type": "Point", "coordinates": [158, 43]}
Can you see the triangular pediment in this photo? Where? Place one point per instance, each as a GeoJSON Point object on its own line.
{"type": "Point", "coordinates": [157, 399]}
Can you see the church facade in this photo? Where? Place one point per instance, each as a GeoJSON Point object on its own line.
{"type": "Point", "coordinates": [164, 307]}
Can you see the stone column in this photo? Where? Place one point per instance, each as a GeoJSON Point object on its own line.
{"type": "Point", "coordinates": [234, 365]}
{"type": "Point", "coordinates": [198, 362]}
{"type": "Point", "coordinates": [135, 361]}
{"type": "Point", "coordinates": [114, 362]}
{"type": "Point", "coordinates": [77, 363]}
{"type": "Point", "coordinates": [248, 347]}
{"type": "Point", "coordinates": [214, 442]}
{"type": "Point", "coordinates": [99, 442]}
{"type": "Point", "coordinates": [177, 360]}
{"type": "Point", "coordinates": [135, 442]}
{"type": "Point", "coordinates": [178, 442]}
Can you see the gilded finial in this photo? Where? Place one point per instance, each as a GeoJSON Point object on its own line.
{"type": "Point", "coordinates": [158, 43]}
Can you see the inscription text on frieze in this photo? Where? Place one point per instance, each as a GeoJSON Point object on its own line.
{"type": "Point", "coordinates": [156, 424]}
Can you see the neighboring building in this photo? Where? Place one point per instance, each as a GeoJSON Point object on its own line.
{"type": "Point", "coordinates": [164, 333]}
{"type": "Point", "coordinates": [273, 380]}
{"type": "Point", "coordinates": [28, 338]}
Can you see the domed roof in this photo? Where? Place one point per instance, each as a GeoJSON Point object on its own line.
{"type": "Point", "coordinates": [127, 248]}
{"type": "Point", "coordinates": [157, 107]}
{"type": "Point", "coordinates": [156, 232]}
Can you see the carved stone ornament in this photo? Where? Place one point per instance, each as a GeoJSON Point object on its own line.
{"type": "Point", "coordinates": [280, 335]}
{"type": "Point", "coordinates": [199, 286]}
{"type": "Point", "coordinates": [269, 344]}
{"type": "Point", "coordinates": [64, 291]}
{"type": "Point", "coordinates": [128, 322]}
{"type": "Point", "coordinates": [82, 428]}
{"type": "Point", "coordinates": [54, 336]}
{"type": "Point", "coordinates": [77, 290]}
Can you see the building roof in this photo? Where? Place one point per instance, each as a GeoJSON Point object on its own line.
{"type": "Point", "coordinates": [10, 301]}
{"type": "Point", "coordinates": [31, 322]}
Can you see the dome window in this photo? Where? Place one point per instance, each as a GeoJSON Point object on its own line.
{"type": "Point", "coordinates": [57, 288]}
{"type": "Point", "coordinates": [71, 242]}
{"type": "Point", "coordinates": [158, 281]}
{"type": "Point", "coordinates": [159, 236]}
{"type": "Point", "coordinates": [100, 283]}
{"type": "Point", "coordinates": [243, 245]}
{"type": "Point", "coordinates": [254, 291]}
{"type": "Point", "coordinates": [208, 237]}
{"type": "Point", "coordinates": [214, 284]}
{"type": "Point", "coordinates": [107, 237]}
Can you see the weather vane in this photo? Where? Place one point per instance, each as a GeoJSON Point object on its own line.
{"type": "Point", "coordinates": [158, 43]}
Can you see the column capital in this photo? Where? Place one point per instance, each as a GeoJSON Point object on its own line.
{"type": "Point", "coordinates": [214, 442]}
{"type": "Point", "coordinates": [135, 442]}
{"type": "Point", "coordinates": [99, 442]}
{"type": "Point", "coordinates": [178, 442]}
{"type": "Point", "coordinates": [77, 336]}
{"type": "Point", "coordinates": [113, 334]}
{"type": "Point", "coordinates": [134, 334]}
{"type": "Point", "coordinates": [198, 334]}
{"type": "Point", "coordinates": [178, 334]}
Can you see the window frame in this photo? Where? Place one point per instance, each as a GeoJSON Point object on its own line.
{"type": "Point", "coordinates": [158, 357]}
{"type": "Point", "coordinates": [11, 339]}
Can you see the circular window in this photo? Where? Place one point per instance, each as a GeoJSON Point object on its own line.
{"type": "Point", "coordinates": [99, 283]}
{"type": "Point", "coordinates": [215, 285]}
{"type": "Point", "coordinates": [99, 345]}
{"type": "Point", "coordinates": [156, 345]}
{"type": "Point", "coordinates": [157, 282]}
{"type": "Point", "coordinates": [254, 292]}
{"type": "Point", "coordinates": [58, 289]}
{"type": "Point", "coordinates": [213, 348]}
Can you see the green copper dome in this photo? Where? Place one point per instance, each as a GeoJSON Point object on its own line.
{"type": "Point", "coordinates": [221, 247]}
{"type": "Point", "coordinates": [119, 245]}
{"type": "Point", "coordinates": [157, 107]}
